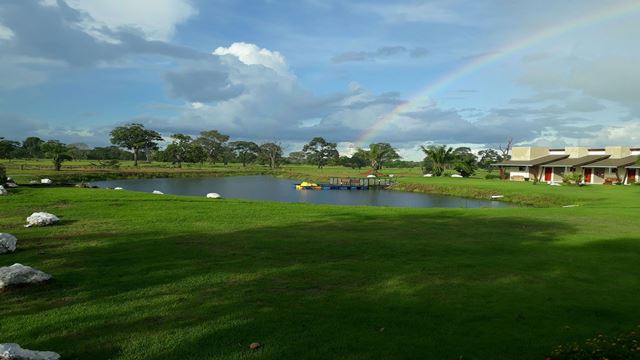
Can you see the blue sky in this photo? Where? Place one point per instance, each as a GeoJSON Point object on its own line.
{"type": "Point", "coordinates": [292, 70]}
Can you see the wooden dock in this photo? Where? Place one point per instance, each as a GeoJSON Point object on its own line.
{"type": "Point", "coordinates": [350, 183]}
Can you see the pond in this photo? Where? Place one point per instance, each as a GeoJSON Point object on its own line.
{"type": "Point", "coordinates": [275, 189]}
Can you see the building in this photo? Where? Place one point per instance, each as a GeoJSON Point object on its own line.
{"type": "Point", "coordinates": [612, 164]}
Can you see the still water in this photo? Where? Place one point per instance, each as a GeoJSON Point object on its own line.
{"type": "Point", "coordinates": [275, 189]}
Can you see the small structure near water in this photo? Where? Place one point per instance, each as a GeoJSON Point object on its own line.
{"type": "Point", "coordinates": [348, 183]}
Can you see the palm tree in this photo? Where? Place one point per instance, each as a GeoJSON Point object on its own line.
{"type": "Point", "coordinates": [440, 157]}
{"type": "Point", "coordinates": [378, 154]}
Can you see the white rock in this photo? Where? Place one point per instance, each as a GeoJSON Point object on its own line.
{"type": "Point", "coordinates": [34, 182]}
{"type": "Point", "coordinates": [456, 176]}
{"type": "Point", "coordinates": [15, 352]}
{"type": "Point", "coordinates": [11, 184]}
{"type": "Point", "coordinates": [371, 176]}
{"type": "Point", "coordinates": [8, 243]}
{"type": "Point", "coordinates": [214, 196]}
{"type": "Point", "coordinates": [41, 219]}
{"type": "Point", "coordinates": [118, 188]}
{"type": "Point", "coordinates": [157, 192]}
{"type": "Point", "coordinates": [18, 274]}
{"type": "Point", "coordinates": [46, 181]}
{"type": "Point", "coordinates": [497, 196]}
{"type": "Point", "coordinates": [3, 191]}
{"type": "Point", "coordinates": [427, 175]}
{"type": "Point", "coordinates": [391, 175]}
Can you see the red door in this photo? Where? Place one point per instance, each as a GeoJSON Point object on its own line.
{"type": "Point", "coordinates": [548, 174]}
{"type": "Point", "coordinates": [632, 176]}
{"type": "Point", "coordinates": [587, 175]}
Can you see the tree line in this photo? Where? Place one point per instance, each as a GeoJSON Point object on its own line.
{"type": "Point", "coordinates": [131, 141]}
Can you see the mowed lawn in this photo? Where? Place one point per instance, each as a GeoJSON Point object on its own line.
{"type": "Point", "coordinates": [141, 276]}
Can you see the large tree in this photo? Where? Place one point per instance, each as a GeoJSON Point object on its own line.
{"type": "Point", "coordinates": [57, 152]}
{"type": "Point", "coordinates": [378, 154]}
{"type": "Point", "coordinates": [297, 157]}
{"type": "Point", "coordinates": [438, 158]}
{"type": "Point", "coordinates": [318, 151]}
{"type": "Point", "coordinates": [32, 147]}
{"type": "Point", "coordinates": [358, 160]}
{"type": "Point", "coordinates": [213, 143]}
{"type": "Point", "coordinates": [245, 151]}
{"type": "Point", "coordinates": [8, 148]}
{"type": "Point", "coordinates": [134, 137]}
{"type": "Point", "coordinates": [488, 157]}
{"type": "Point", "coordinates": [271, 154]}
{"type": "Point", "coordinates": [465, 162]}
{"type": "Point", "coordinates": [179, 149]}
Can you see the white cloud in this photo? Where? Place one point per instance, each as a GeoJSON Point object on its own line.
{"type": "Point", "coordinates": [627, 133]}
{"type": "Point", "coordinates": [156, 19]}
{"type": "Point", "coordinates": [5, 33]}
{"type": "Point", "coordinates": [251, 54]}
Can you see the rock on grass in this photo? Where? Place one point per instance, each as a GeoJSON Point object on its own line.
{"type": "Point", "coordinates": [15, 352]}
{"type": "Point", "coordinates": [8, 243]}
{"type": "Point", "coordinates": [20, 275]}
{"type": "Point", "coordinates": [42, 219]}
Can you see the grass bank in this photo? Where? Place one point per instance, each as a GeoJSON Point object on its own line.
{"type": "Point", "coordinates": [140, 276]}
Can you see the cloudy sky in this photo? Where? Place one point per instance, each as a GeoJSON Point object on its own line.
{"type": "Point", "coordinates": [444, 71]}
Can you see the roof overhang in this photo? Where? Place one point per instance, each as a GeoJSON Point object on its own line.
{"type": "Point", "coordinates": [533, 162]}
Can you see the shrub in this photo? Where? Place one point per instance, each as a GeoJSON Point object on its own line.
{"type": "Point", "coordinates": [447, 173]}
{"type": "Point", "coordinates": [572, 178]}
{"type": "Point", "coordinates": [3, 175]}
{"type": "Point", "coordinates": [492, 176]}
{"type": "Point", "coordinates": [622, 347]}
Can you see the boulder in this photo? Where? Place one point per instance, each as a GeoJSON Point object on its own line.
{"type": "Point", "coordinates": [46, 181]}
{"type": "Point", "coordinates": [371, 176]}
{"type": "Point", "coordinates": [34, 182]}
{"type": "Point", "coordinates": [15, 352]}
{"type": "Point", "coordinates": [3, 191]}
{"type": "Point", "coordinates": [457, 176]}
{"type": "Point", "coordinates": [427, 175]}
{"type": "Point", "coordinates": [214, 196]}
{"type": "Point", "coordinates": [8, 243]}
{"type": "Point", "coordinates": [157, 192]}
{"type": "Point", "coordinates": [118, 188]}
{"type": "Point", "coordinates": [41, 219]}
{"type": "Point", "coordinates": [18, 274]}
{"type": "Point", "coordinates": [11, 184]}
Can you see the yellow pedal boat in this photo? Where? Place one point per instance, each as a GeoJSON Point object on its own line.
{"type": "Point", "coordinates": [308, 186]}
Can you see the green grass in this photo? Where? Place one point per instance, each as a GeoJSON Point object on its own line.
{"type": "Point", "coordinates": [140, 276]}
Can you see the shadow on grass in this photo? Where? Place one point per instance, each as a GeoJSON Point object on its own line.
{"type": "Point", "coordinates": [440, 285]}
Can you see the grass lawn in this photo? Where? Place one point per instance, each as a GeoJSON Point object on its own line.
{"type": "Point", "coordinates": [141, 276]}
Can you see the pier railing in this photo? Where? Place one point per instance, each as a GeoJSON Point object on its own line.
{"type": "Point", "coordinates": [368, 182]}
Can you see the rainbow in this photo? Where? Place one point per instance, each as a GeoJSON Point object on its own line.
{"type": "Point", "coordinates": [480, 61]}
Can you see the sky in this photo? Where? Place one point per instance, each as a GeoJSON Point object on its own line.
{"type": "Point", "coordinates": [463, 73]}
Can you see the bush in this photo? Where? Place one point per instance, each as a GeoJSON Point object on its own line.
{"type": "Point", "coordinates": [447, 173]}
{"type": "Point", "coordinates": [622, 347]}
{"type": "Point", "coordinates": [492, 177]}
{"type": "Point", "coordinates": [572, 178]}
{"type": "Point", "coordinates": [3, 175]}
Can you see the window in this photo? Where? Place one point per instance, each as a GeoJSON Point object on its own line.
{"type": "Point", "coordinates": [573, 169]}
